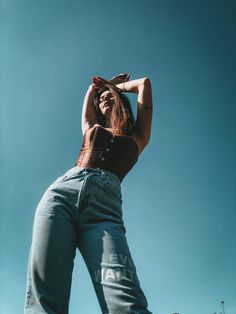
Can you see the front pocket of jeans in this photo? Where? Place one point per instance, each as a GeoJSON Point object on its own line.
{"type": "Point", "coordinates": [65, 177]}
{"type": "Point", "coordinates": [68, 176]}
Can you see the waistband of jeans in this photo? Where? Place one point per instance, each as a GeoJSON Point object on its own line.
{"type": "Point", "coordinates": [104, 173]}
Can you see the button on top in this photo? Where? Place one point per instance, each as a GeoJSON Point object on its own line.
{"type": "Point", "coordinates": [112, 140]}
{"type": "Point", "coordinates": [107, 149]}
{"type": "Point", "coordinates": [102, 158]}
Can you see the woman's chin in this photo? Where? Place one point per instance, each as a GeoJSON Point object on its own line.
{"type": "Point", "coordinates": [107, 113]}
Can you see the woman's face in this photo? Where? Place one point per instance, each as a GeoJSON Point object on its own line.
{"type": "Point", "coordinates": [106, 101]}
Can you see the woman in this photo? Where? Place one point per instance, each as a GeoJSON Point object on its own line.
{"type": "Point", "coordinates": [83, 207]}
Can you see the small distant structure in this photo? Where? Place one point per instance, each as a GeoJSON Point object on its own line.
{"type": "Point", "coordinates": [223, 306]}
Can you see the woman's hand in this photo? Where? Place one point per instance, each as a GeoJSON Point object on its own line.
{"type": "Point", "coordinates": [120, 78]}
{"type": "Point", "coordinates": [100, 83]}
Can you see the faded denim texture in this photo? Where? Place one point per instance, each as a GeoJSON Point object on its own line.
{"type": "Point", "coordinates": [82, 209]}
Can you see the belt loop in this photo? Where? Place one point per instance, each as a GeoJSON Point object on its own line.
{"type": "Point", "coordinates": [102, 174]}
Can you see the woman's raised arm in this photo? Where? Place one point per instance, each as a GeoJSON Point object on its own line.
{"type": "Point", "coordinates": [88, 110]}
{"type": "Point", "coordinates": [144, 111]}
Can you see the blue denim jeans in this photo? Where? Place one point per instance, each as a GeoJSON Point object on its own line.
{"type": "Point", "coordinates": [82, 209]}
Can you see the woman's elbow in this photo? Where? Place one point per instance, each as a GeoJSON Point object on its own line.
{"type": "Point", "coordinates": [146, 80]}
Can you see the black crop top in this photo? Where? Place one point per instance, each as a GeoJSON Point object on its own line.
{"type": "Point", "coordinates": [101, 149]}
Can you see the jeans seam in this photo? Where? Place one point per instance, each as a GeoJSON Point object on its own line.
{"type": "Point", "coordinates": [81, 194]}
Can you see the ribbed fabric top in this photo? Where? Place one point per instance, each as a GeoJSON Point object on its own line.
{"type": "Point", "coordinates": [101, 149]}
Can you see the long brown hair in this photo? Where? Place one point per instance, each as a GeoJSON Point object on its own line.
{"type": "Point", "coordinates": [122, 118]}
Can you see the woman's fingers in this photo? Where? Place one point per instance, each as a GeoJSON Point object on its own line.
{"type": "Point", "coordinates": [100, 82]}
{"type": "Point", "coordinates": [127, 77]}
{"type": "Point", "coordinates": [124, 76]}
{"type": "Point", "coordinates": [120, 78]}
{"type": "Point", "coordinates": [99, 78]}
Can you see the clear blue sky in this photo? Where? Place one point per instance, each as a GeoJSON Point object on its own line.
{"type": "Point", "coordinates": [179, 199]}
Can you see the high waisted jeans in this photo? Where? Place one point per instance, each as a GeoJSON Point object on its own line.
{"type": "Point", "coordinates": [82, 208]}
